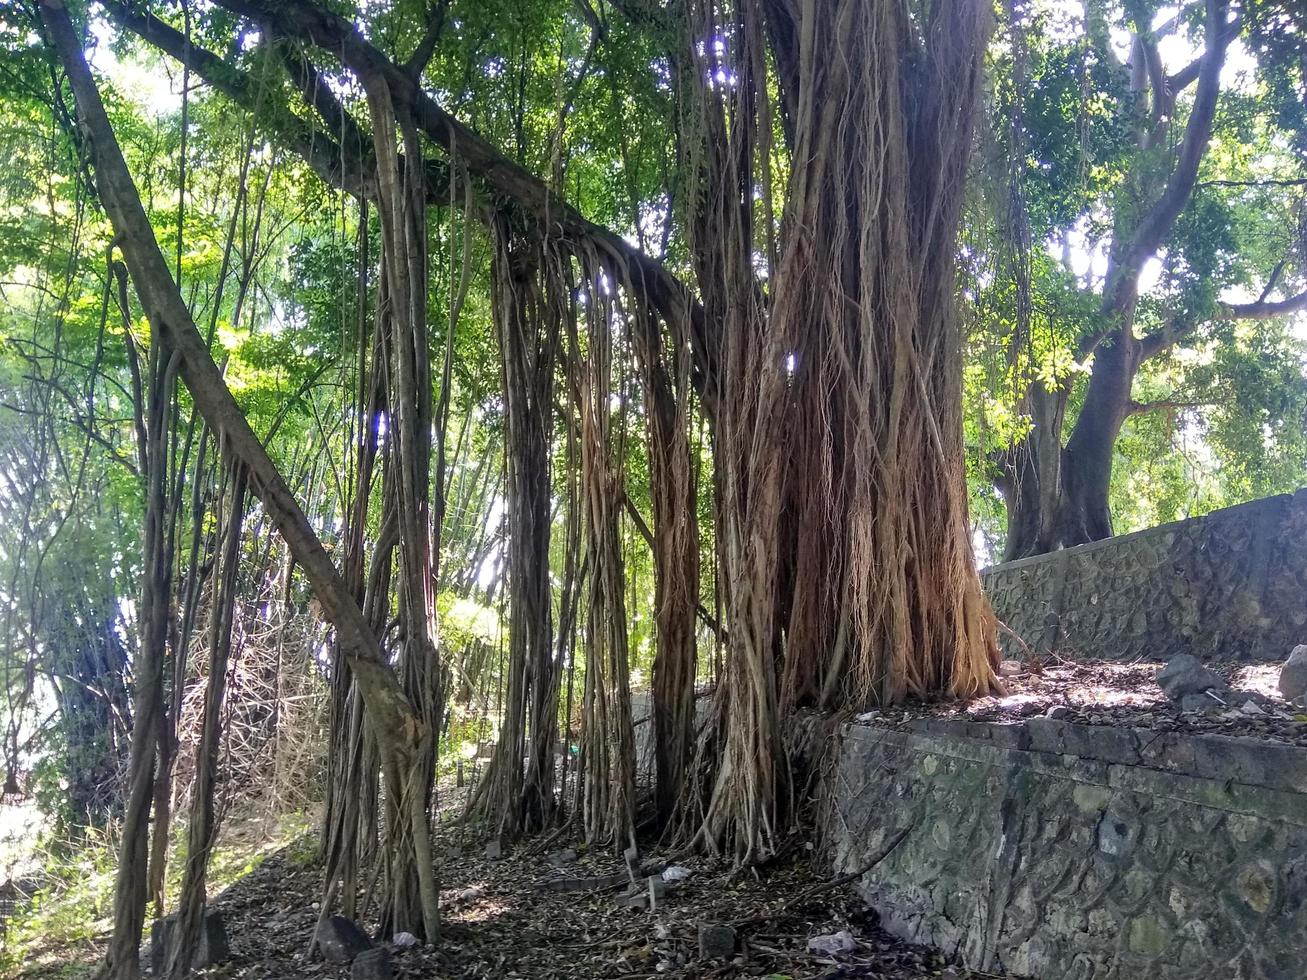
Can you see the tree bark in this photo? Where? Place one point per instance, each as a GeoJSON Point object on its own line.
{"type": "Point", "coordinates": [527, 320]}
{"type": "Point", "coordinates": [399, 731]}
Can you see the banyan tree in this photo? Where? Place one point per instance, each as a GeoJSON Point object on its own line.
{"type": "Point", "coordinates": [752, 384]}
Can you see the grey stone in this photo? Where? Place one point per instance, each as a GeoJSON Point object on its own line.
{"type": "Point", "coordinates": [372, 964]}
{"type": "Point", "coordinates": [1185, 674]}
{"type": "Point", "coordinates": [1198, 702]}
{"type": "Point", "coordinates": [833, 944]}
{"type": "Point", "coordinates": [1225, 587]}
{"type": "Point", "coordinates": [560, 858]}
{"type": "Point", "coordinates": [1293, 675]}
{"type": "Point", "coordinates": [340, 939]}
{"type": "Point", "coordinates": [1153, 855]}
{"type": "Point", "coordinates": [657, 889]}
{"type": "Point", "coordinates": [716, 942]}
{"type": "Point", "coordinates": [494, 851]}
{"type": "Point", "coordinates": [212, 949]}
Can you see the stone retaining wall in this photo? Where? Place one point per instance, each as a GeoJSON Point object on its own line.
{"type": "Point", "coordinates": [1056, 850]}
{"type": "Point", "coordinates": [1228, 586]}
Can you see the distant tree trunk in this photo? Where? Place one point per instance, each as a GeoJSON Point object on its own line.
{"type": "Point", "coordinates": [1059, 497]}
{"type": "Point", "coordinates": [1030, 477]}
{"type": "Point", "coordinates": [525, 302]}
{"type": "Point", "coordinates": [1085, 514]}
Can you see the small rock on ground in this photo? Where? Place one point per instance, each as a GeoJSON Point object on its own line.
{"type": "Point", "coordinates": [1185, 674]}
{"type": "Point", "coordinates": [212, 949]}
{"type": "Point", "coordinates": [716, 942]}
{"type": "Point", "coordinates": [1293, 675]}
{"type": "Point", "coordinates": [833, 944]}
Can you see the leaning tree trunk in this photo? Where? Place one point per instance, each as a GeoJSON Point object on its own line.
{"type": "Point", "coordinates": [401, 734]}
{"type": "Point", "coordinates": [1084, 514]}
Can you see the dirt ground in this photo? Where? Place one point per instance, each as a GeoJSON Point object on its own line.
{"type": "Point", "coordinates": [1123, 694]}
{"type": "Point", "coordinates": [503, 919]}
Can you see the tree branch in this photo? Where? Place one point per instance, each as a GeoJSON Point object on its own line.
{"type": "Point", "coordinates": [319, 150]}
{"type": "Point", "coordinates": [1187, 75]}
{"type": "Point", "coordinates": [1142, 408]}
{"type": "Point", "coordinates": [1264, 182]}
{"type": "Point", "coordinates": [1261, 309]}
{"type": "Point", "coordinates": [648, 276]}
{"type": "Point", "coordinates": [421, 56]}
{"type": "Point", "coordinates": [1123, 285]}
{"type": "Point", "coordinates": [1264, 309]}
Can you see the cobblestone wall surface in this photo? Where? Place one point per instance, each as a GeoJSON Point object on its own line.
{"type": "Point", "coordinates": [1228, 586]}
{"type": "Point", "coordinates": [1056, 850]}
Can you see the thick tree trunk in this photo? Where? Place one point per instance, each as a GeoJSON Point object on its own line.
{"type": "Point", "coordinates": [841, 404]}
{"type": "Point", "coordinates": [1084, 514]}
{"type": "Point", "coordinates": [1058, 497]}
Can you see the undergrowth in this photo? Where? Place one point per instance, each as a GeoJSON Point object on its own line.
{"type": "Point", "coordinates": [57, 934]}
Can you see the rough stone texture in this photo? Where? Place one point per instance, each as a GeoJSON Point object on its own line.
{"type": "Point", "coordinates": [1225, 587]}
{"type": "Point", "coordinates": [213, 947]}
{"type": "Point", "coordinates": [716, 942]}
{"type": "Point", "coordinates": [641, 712]}
{"type": "Point", "coordinates": [1051, 849]}
{"type": "Point", "coordinates": [340, 939]}
{"type": "Point", "coordinates": [1185, 674]}
{"type": "Point", "coordinates": [1293, 675]}
{"type": "Point", "coordinates": [372, 964]}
